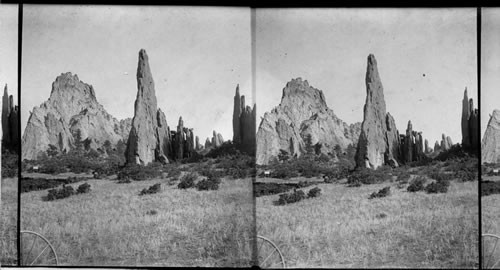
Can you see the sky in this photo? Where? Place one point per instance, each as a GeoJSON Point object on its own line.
{"type": "Point", "coordinates": [426, 58]}
{"type": "Point", "coordinates": [8, 49]}
{"type": "Point", "coordinates": [490, 64]}
{"type": "Point", "coordinates": [197, 56]}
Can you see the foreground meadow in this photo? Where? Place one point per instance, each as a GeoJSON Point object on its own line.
{"type": "Point", "coordinates": [112, 225]}
{"type": "Point", "coordinates": [343, 228]}
{"type": "Point", "coordinates": [8, 222]}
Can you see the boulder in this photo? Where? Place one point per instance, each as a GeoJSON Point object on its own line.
{"type": "Point", "coordinates": [490, 145]}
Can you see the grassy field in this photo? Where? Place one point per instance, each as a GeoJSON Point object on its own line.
{"type": "Point", "coordinates": [343, 228]}
{"type": "Point", "coordinates": [8, 222]}
{"type": "Point", "coordinates": [111, 224]}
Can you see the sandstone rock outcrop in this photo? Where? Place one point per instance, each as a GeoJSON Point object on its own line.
{"type": "Point", "coordinates": [427, 150]}
{"type": "Point", "coordinates": [437, 147]}
{"type": "Point", "coordinates": [10, 121]}
{"type": "Point", "coordinates": [490, 145]}
{"type": "Point", "coordinates": [208, 144]}
{"type": "Point", "coordinates": [71, 109]}
{"type": "Point", "coordinates": [374, 148]}
{"type": "Point", "coordinates": [244, 124]}
{"type": "Point", "coordinates": [412, 145]}
{"type": "Point", "coordinates": [144, 143]}
{"type": "Point", "coordinates": [302, 113]}
{"type": "Point", "coordinates": [470, 124]}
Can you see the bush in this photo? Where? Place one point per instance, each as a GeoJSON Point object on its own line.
{"type": "Point", "coordinates": [404, 176]}
{"type": "Point", "coordinates": [381, 193]}
{"type": "Point", "coordinates": [139, 173]}
{"type": "Point", "coordinates": [314, 192]}
{"type": "Point", "coordinates": [187, 181]}
{"type": "Point", "coordinates": [174, 173]}
{"type": "Point", "coordinates": [83, 188]}
{"type": "Point", "coordinates": [124, 181]}
{"type": "Point", "coordinates": [151, 190]}
{"type": "Point", "coordinates": [490, 187]}
{"type": "Point", "coordinates": [9, 163]}
{"type": "Point", "coordinates": [441, 176]}
{"type": "Point", "coordinates": [294, 197]}
{"type": "Point", "coordinates": [263, 189]}
{"type": "Point", "coordinates": [416, 184]}
{"type": "Point", "coordinates": [332, 175]}
{"type": "Point", "coordinates": [466, 175]}
{"type": "Point", "coordinates": [211, 183]}
{"type": "Point", "coordinates": [64, 192]}
{"type": "Point", "coordinates": [438, 187]}
{"type": "Point", "coordinates": [368, 176]}
{"type": "Point", "coordinates": [31, 184]}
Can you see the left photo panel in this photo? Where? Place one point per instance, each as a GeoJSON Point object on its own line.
{"type": "Point", "coordinates": [133, 127]}
{"type": "Point", "coordinates": [10, 134]}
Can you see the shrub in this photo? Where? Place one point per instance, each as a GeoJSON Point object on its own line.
{"type": "Point", "coordinates": [64, 192]}
{"type": "Point", "coordinates": [331, 175]}
{"type": "Point", "coordinates": [9, 163]}
{"type": "Point", "coordinates": [124, 181]}
{"type": "Point", "coordinates": [151, 212]}
{"type": "Point", "coordinates": [187, 181]}
{"type": "Point", "coordinates": [151, 190]}
{"type": "Point", "coordinates": [466, 175]}
{"type": "Point", "coordinates": [441, 176]}
{"type": "Point", "coordinates": [368, 176]}
{"type": "Point", "coordinates": [174, 172]}
{"type": "Point", "coordinates": [490, 187]}
{"type": "Point", "coordinates": [438, 187]}
{"type": "Point", "coordinates": [404, 176]}
{"type": "Point", "coordinates": [83, 188]}
{"type": "Point", "coordinates": [31, 184]}
{"type": "Point", "coordinates": [263, 189]}
{"type": "Point", "coordinates": [381, 193]}
{"type": "Point", "coordinates": [211, 183]}
{"type": "Point", "coordinates": [296, 196]}
{"type": "Point", "coordinates": [139, 173]}
{"type": "Point", "coordinates": [416, 184]}
{"type": "Point", "coordinates": [314, 192]}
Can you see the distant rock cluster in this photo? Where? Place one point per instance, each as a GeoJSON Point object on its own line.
{"type": "Point", "coordinates": [301, 115]}
{"type": "Point", "coordinates": [412, 145]}
{"type": "Point", "coordinates": [10, 121]}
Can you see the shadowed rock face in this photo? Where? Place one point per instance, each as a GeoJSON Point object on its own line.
{"type": "Point", "coordinates": [301, 113]}
{"type": "Point", "coordinates": [470, 124]}
{"type": "Point", "coordinates": [243, 124]}
{"type": "Point", "coordinates": [10, 121]}
{"type": "Point", "coordinates": [490, 145]}
{"type": "Point", "coordinates": [72, 108]}
{"type": "Point", "coordinates": [378, 139]}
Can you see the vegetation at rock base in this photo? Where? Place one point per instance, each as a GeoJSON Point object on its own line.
{"type": "Point", "coordinates": [9, 163]}
{"type": "Point", "coordinates": [381, 193]}
{"type": "Point", "coordinates": [440, 186]}
{"type": "Point", "coordinates": [187, 181]}
{"type": "Point", "coordinates": [417, 184]}
{"type": "Point", "coordinates": [151, 190]}
{"type": "Point", "coordinates": [490, 187]}
{"type": "Point", "coordinates": [210, 183]}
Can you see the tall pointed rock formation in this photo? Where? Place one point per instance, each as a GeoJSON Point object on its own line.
{"type": "Point", "coordinates": [145, 143]}
{"type": "Point", "coordinates": [374, 148]}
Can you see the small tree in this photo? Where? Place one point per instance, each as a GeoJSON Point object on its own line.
{"type": "Point", "coordinates": [283, 155]}
{"type": "Point", "coordinates": [338, 150]}
{"type": "Point", "coordinates": [52, 151]}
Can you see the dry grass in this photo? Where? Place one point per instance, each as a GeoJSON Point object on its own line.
{"type": "Point", "coordinates": [8, 222]}
{"type": "Point", "coordinates": [110, 225]}
{"type": "Point", "coordinates": [343, 228]}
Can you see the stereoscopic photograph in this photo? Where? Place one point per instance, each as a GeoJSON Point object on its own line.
{"type": "Point", "coordinates": [138, 130]}
{"type": "Point", "coordinates": [367, 142]}
{"type": "Point", "coordinates": [10, 135]}
{"type": "Point", "coordinates": [490, 131]}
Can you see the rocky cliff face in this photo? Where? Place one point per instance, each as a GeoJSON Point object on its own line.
{"type": "Point", "coordinates": [490, 145]}
{"type": "Point", "coordinates": [378, 141]}
{"type": "Point", "coordinates": [72, 109]}
{"type": "Point", "coordinates": [301, 113]}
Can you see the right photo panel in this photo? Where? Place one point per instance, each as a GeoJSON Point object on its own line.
{"type": "Point", "coordinates": [490, 131]}
{"type": "Point", "coordinates": [367, 140]}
